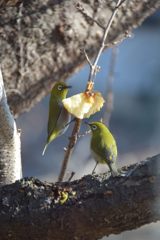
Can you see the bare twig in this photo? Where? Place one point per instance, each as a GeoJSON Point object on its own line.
{"type": "Point", "coordinates": [90, 84]}
{"type": "Point", "coordinates": [87, 58]}
{"type": "Point", "coordinates": [87, 16]}
{"type": "Point", "coordinates": [72, 142]}
{"type": "Point", "coordinates": [102, 45]}
{"type": "Point", "coordinates": [71, 176]}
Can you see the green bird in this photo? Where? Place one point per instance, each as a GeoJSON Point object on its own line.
{"type": "Point", "coordinates": [103, 146]}
{"type": "Point", "coordinates": [58, 118]}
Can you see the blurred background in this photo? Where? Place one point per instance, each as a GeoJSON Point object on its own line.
{"type": "Point", "coordinates": [135, 120]}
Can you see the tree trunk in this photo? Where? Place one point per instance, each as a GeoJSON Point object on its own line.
{"type": "Point", "coordinates": [10, 157]}
{"type": "Point", "coordinates": [96, 205]}
{"type": "Point", "coordinates": [40, 41]}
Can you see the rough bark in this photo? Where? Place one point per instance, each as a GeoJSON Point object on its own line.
{"type": "Point", "coordinates": [40, 41]}
{"type": "Point", "coordinates": [10, 156]}
{"type": "Point", "coordinates": [96, 206]}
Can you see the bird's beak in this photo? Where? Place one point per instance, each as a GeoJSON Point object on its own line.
{"type": "Point", "coordinates": [86, 122]}
{"type": "Point", "coordinates": [67, 87]}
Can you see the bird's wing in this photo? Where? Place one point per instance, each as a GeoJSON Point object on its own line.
{"type": "Point", "coordinates": [110, 148]}
{"type": "Point", "coordinates": [106, 148]}
{"type": "Point", "coordinates": [55, 109]}
{"type": "Point", "coordinates": [111, 155]}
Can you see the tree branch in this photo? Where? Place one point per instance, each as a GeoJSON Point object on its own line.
{"type": "Point", "coordinates": [69, 150]}
{"type": "Point", "coordinates": [10, 156]}
{"type": "Point", "coordinates": [51, 42]}
{"type": "Point", "coordinates": [89, 88]}
{"type": "Point", "coordinates": [96, 205]}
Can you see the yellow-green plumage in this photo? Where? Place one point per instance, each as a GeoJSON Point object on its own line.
{"type": "Point", "coordinates": [58, 115]}
{"type": "Point", "coordinates": [103, 146]}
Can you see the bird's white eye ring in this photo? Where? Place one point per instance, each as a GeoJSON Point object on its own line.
{"type": "Point", "coordinates": [59, 87]}
{"type": "Point", "coordinates": [94, 127]}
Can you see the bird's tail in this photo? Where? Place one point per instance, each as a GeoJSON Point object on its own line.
{"type": "Point", "coordinates": [113, 169]}
{"type": "Point", "coordinates": [45, 147]}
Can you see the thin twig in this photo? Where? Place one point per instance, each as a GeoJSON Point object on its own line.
{"type": "Point", "coordinates": [87, 58]}
{"type": "Point", "coordinates": [102, 45]}
{"type": "Point", "coordinates": [72, 142]}
{"type": "Point", "coordinates": [122, 1]}
{"type": "Point", "coordinates": [81, 9]}
{"type": "Point", "coordinates": [109, 93]}
{"type": "Point", "coordinates": [71, 176]}
{"type": "Point", "coordinates": [90, 84]}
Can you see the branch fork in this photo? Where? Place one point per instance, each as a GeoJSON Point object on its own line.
{"type": "Point", "coordinates": [89, 88]}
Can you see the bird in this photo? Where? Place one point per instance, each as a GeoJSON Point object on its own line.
{"type": "Point", "coordinates": [103, 146]}
{"type": "Point", "coordinates": [58, 117]}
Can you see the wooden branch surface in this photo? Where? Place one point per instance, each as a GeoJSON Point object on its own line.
{"type": "Point", "coordinates": [96, 206]}
{"type": "Point", "coordinates": [40, 41]}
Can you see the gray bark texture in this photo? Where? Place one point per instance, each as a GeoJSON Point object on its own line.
{"type": "Point", "coordinates": [96, 205]}
{"type": "Point", "coordinates": [40, 41]}
{"type": "Point", "coordinates": [10, 154]}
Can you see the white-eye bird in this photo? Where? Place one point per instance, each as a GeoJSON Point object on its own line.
{"type": "Point", "coordinates": [103, 146]}
{"type": "Point", "coordinates": [58, 117]}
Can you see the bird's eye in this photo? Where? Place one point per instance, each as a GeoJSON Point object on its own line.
{"type": "Point", "coordinates": [59, 87]}
{"type": "Point", "coordinates": [94, 127]}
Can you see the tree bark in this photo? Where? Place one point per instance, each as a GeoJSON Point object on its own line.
{"type": "Point", "coordinates": [96, 205]}
{"type": "Point", "coordinates": [40, 41]}
{"type": "Point", "coordinates": [10, 155]}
